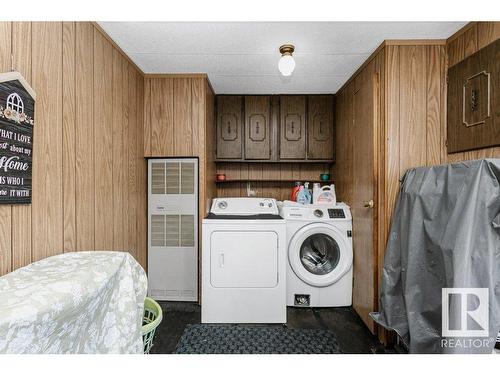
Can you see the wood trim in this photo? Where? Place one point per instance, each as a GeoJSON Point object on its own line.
{"type": "Point", "coordinates": [175, 75]}
{"type": "Point", "coordinates": [415, 42]}
{"type": "Point", "coordinates": [459, 32]}
{"type": "Point", "coordinates": [117, 47]}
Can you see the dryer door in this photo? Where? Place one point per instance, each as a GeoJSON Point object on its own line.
{"type": "Point", "coordinates": [320, 254]}
{"type": "Point", "coordinates": [244, 259]}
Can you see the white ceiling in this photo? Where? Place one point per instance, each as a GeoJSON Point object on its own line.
{"type": "Point", "coordinates": [242, 58]}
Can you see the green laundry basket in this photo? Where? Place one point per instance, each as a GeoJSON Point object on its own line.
{"type": "Point", "coordinates": [151, 319]}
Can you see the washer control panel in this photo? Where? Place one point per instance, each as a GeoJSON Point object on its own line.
{"type": "Point", "coordinates": [336, 213]}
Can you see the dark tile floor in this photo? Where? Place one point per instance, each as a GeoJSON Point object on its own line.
{"type": "Point", "coordinates": [343, 322]}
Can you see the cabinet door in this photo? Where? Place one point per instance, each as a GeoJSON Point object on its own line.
{"type": "Point", "coordinates": [229, 127]}
{"type": "Point", "coordinates": [320, 127]}
{"type": "Point", "coordinates": [293, 127]}
{"type": "Point", "coordinates": [257, 127]}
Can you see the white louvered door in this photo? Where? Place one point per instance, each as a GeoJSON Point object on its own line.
{"type": "Point", "coordinates": [173, 229]}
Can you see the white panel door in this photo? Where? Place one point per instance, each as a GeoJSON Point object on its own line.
{"type": "Point", "coordinates": [244, 259]}
{"type": "Point", "coordinates": [173, 229]}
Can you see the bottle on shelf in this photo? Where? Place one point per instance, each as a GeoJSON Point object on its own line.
{"type": "Point", "coordinates": [307, 193]}
{"type": "Point", "coordinates": [295, 190]}
{"type": "Point", "coordinates": [301, 196]}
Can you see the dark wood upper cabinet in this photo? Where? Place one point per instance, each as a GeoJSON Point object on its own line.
{"type": "Point", "coordinates": [320, 136]}
{"type": "Point", "coordinates": [273, 128]}
{"type": "Point", "coordinates": [258, 127]}
{"type": "Point", "coordinates": [229, 127]}
{"type": "Point", "coordinates": [293, 127]}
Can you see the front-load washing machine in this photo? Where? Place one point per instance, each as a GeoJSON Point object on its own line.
{"type": "Point", "coordinates": [320, 256]}
{"type": "Point", "coordinates": [243, 262]}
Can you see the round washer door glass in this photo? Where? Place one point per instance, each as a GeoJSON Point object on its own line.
{"type": "Point", "coordinates": [319, 254]}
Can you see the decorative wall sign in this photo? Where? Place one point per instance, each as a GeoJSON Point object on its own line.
{"type": "Point", "coordinates": [17, 112]}
{"type": "Point", "coordinates": [474, 101]}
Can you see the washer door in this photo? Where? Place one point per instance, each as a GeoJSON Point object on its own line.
{"type": "Point", "coordinates": [319, 254]}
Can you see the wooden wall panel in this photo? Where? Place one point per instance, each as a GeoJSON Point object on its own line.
{"type": "Point", "coordinates": [88, 160]}
{"type": "Point", "coordinates": [434, 82]}
{"type": "Point", "coordinates": [342, 170]}
{"type": "Point", "coordinates": [183, 134]}
{"type": "Point", "coordinates": [21, 214]}
{"type": "Point", "coordinates": [119, 168]}
{"type": "Point", "coordinates": [392, 102]}
{"type": "Point", "coordinates": [47, 161]}
{"type": "Point", "coordinates": [487, 32]}
{"type": "Point", "coordinates": [125, 158]}
{"type": "Point", "coordinates": [141, 199]}
{"type": "Point", "coordinates": [133, 155]}
{"type": "Point", "coordinates": [412, 97]}
{"type": "Point", "coordinates": [147, 117]}
{"type": "Point", "coordinates": [210, 169]}
{"type": "Point", "coordinates": [466, 42]}
{"type": "Point", "coordinates": [69, 136]}
{"type": "Point", "coordinates": [103, 140]}
{"type": "Point", "coordinates": [85, 193]}
{"type": "Point", "coordinates": [161, 108]}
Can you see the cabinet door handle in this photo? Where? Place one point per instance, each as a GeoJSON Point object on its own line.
{"type": "Point", "coordinates": [221, 260]}
{"type": "Point", "coordinates": [228, 128]}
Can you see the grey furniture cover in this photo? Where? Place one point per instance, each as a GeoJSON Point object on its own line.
{"type": "Point", "coordinates": [445, 233]}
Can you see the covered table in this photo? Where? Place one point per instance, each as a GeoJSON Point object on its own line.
{"type": "Point", "coordinates": [85, 302]}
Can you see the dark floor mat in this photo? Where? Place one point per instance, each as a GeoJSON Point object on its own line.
{"type": "Point", "coordinates": [237, 339]}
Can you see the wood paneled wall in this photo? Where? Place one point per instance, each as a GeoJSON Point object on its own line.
{"type": "Point", "coordinates": [415, 129]}
{"type": "Point", "coordinates": [89, 174]}
{"type": "Point", "coordinates": [179, 122]}
{"type": "Point", "coordinates": [464, 43]}
{"type": "Point", "coordinates": [267, 171]}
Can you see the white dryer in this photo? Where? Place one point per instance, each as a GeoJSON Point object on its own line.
{"type": "Point", "coordinates": [320, 257]}
{"type": "Point", "coordinates": [243, 262]}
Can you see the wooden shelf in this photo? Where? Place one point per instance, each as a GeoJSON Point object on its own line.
{"type": "Point", "coordinates": [275, 161]}
{"type": "Point", "coordinates": [273, 181]}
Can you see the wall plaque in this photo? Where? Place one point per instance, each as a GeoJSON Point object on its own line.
{"type": "Point", "coordinates": [473, 108]}
{"type": "Point", "coordinates": [17, 112]}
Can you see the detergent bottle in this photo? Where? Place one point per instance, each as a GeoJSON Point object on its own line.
{"type": "Point", "coordinates": [307, 193]}
{"type": "Point", "coordinates": [301, 196]}
{"type": "Point", "coordinates": [295, 190]}
{"type": "Point", "coordinates": [324, 195]}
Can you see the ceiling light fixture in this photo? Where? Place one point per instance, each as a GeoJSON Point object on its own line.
{"type": "Point", "coordinates": [286, 64]}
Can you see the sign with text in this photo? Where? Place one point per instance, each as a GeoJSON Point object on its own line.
{"type": "Point", "coordinates": [17, 111]}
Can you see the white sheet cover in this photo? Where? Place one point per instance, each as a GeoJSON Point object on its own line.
{"type": "Point", "coordinates": [84, 302]}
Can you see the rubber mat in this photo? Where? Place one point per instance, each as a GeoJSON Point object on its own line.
{"type": "Point", "coordinates": [242, 339]}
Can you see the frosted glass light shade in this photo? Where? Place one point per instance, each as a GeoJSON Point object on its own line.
{"type": "Point", "coordinates": [286, 65]}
